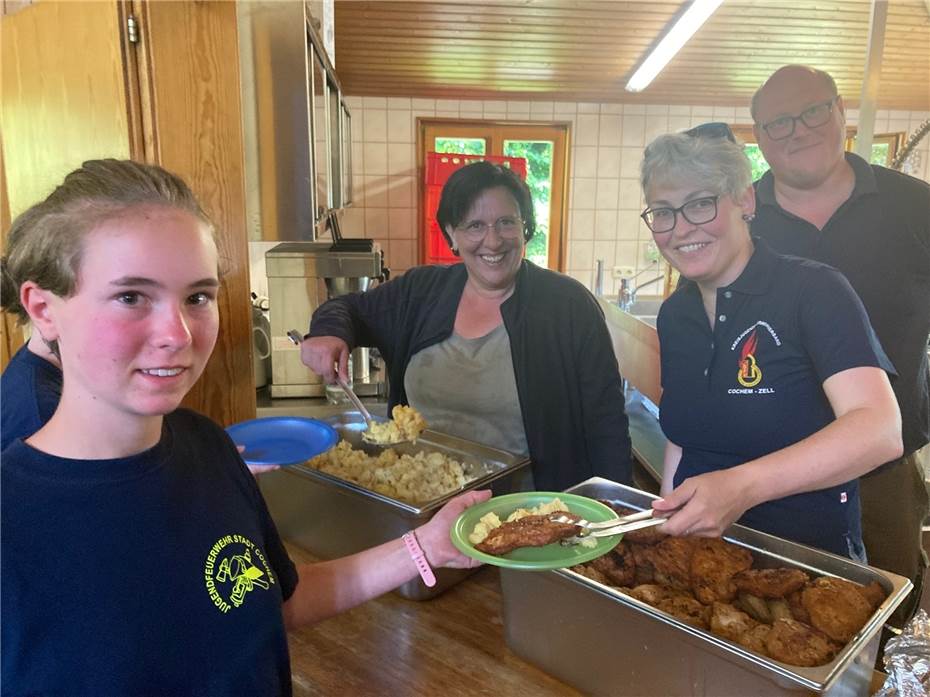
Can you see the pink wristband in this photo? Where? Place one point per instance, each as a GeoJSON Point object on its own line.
{"type": "Point", "coordinates": [416, 553]}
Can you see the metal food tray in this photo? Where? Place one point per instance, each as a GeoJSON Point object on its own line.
{"type": "Point", "coordinates": [607, 643]}
{"type": "Point", "coordinates": [331, 517]}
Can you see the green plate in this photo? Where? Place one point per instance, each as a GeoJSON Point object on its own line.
{"type": "Point", "coordinates": [554, 556]}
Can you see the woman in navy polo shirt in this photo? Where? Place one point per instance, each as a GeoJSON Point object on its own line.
{"type": "Point", "coordinates": [776, 395]}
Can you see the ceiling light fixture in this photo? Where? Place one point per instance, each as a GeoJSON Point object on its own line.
{"type": "Point", "coordinates": [682, 29]}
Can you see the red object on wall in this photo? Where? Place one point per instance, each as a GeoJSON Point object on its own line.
{"type": "Point", "coordinates": [439, 167]}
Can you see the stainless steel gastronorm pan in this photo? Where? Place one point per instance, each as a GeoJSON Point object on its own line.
{"type": "Point", "coordinates": [331, 517]}
{"type": "Point", "coordinates": [607, 643]}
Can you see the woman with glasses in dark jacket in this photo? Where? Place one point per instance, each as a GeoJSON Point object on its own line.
{"type": "Point", "coordinates": [775, 389]}
{"type": "Point", "coordinates": [493, 349]}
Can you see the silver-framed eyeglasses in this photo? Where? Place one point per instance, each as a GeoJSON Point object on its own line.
{"type": "Point", "coordinates": [697, 211]}
{"type": "Point", "coordinates": [812, 117]}
{"type": "Point", "coordinates": [508, 227]}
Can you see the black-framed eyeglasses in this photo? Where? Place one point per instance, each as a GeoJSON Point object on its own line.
{"type": "Point", "coordinates": [508, 227]}
{"type": "Point", "coordinates": [812, 117]}
{"type": "Point", "coordinates": [713, 129]}
{"type": "Point", "coordinates": [697, 211]}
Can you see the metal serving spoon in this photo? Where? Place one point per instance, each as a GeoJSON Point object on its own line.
{"type": "Point", "coordinates": [366, 435]}
{"type": "Point", "coordinates": [296, 337]}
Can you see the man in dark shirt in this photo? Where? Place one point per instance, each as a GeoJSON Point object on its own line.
{"type": "Point", "coordinates": [873, 224]}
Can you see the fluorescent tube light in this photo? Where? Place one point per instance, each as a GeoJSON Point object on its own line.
{"type": "Point", "coordinates": [671, 43]}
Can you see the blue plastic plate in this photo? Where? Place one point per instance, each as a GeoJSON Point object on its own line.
{"type": "Point", "coordinates": [282, 440]}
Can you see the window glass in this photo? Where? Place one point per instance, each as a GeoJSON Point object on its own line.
{"type": "Point", "coordinates": [538, 155]}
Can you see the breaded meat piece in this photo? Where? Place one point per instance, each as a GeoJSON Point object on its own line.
{"type": "Point", "coordinates": [686, 608]}
{"type": "Point", "coordinates": [799, 644]}
{"type": "Point", "coordinates": [642, 558]}
{"type": "Point", "coordinates": [874, 594]}
{"type": "Point", "coordinates": [836, 607]}
{"type": "Point", "coordinates": [713, 565]}
{"type": "Point", "coordinates": [679, 604]}
{"type": "Point", "coordinates": [618, 565]}
{"type": "Point", "coordinates": [729, 622]}
{"type": "Point", "coordinates": [588, 571]}
{"type": "Point", "coordinates": [651, 593]}
{"type": "Point", "coordinates": [797, 608]}
{"type": "Point", "coordinates": [672, 561]}
{"type": "Point", "coordinates": [754, 639]}
{"type": "Point", "coordinates": [529, 531]}
{"type": "Point", "coordinates": [770, 583]}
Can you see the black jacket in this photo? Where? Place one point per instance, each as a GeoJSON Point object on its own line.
{"type": "Point", "coordinates": [568, 382]}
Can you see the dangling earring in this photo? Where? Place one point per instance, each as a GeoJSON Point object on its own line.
{"type": "Point", "coordinates": [749, 217]}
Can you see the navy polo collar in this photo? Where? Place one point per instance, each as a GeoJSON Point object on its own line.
{"type": "Point", "coordinates": [862, 171]}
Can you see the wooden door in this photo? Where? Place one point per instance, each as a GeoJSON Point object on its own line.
{"type": "Point", "coordinates": [189, 84]}
{"type": "Point", "coordinates": [75, 88]}
{"type": "Point", "coordinates": [497, 138]}
{"type": "Point", "coordinates": [50, 122]}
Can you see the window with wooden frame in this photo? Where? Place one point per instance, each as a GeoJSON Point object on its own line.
{"type": "Point", "coordinates": [545, 147]}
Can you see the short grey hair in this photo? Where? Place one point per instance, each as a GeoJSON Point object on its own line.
{"type": "Point", "coordinates": [677, 159]}
{"type": "Point", "coordinates": [826, 77]}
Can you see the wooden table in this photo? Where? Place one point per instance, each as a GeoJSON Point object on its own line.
{"type": "Point", "coordinates": [452, 646]}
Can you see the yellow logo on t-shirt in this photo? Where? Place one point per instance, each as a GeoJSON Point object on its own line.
{"type": "Point", "coordinates": [235, 566]}
{"type": "Point", "coordinates": [749, 374]}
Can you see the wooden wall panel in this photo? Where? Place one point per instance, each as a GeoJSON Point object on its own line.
{"type": "Point", "coordinates": [63, 101]}
{"type": "Point", "coordinates": [193, 83]}
{"type": "Point", "coordinates": [61, 104]}
{"type": "Point", "coordinates": [585, 50]}
{"type": "Point", "coordinates": [12, 334]}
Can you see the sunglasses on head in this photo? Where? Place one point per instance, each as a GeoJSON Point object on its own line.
{"type": "Point", "coordinates": [714, 129]}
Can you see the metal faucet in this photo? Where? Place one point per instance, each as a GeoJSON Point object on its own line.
{"type": "Point", "coordinates": [627, 295]}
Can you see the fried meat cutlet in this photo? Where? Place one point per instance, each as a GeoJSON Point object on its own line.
{"type": "Point", "coordinates": [799, 644]}
{"type": "Point", "coordinates": [529, 531]}
{"type": "Point", "coordinates": [679, 604]}
{"type": "Point", "coordinates": [837, 607]}
{"type": "Point", "coordinates": [770, 583]}
{"type": "Point", "coordinates": [617, 565]}
{"type": "Point", "coordinates": [686, 608]}
{"type": "Point", "coordinates": [754, 639]}
{"type": "Point", "coordinates": [797, 608]}
{"type": "Point", "coordinates": [874, 594]}
{"type": "Point", "coordinates": [713, 565]}
{"type": "Point", "coordinates": [642, 558]}
{"type": "Point", "coordinates": [729, 622]}
{"type": "Point", "coordinates": [672, 561]}
{"type": "Point", "coordinates": [588, 571]}
{"type": "Point", "coordinates": [650, 593]}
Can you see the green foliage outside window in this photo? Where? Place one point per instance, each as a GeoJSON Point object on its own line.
{"type": "Point", "coordinates": [462, 146]}
{"type": "Point", "coordinates": [538, 155]}
{"type": "Point", "coordinates": [759, 165]}
{"type": "Point", "coordinates": [879, 154]}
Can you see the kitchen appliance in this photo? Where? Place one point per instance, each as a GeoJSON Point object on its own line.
{"type": "Point", "coordinates": [606, 643]}
{"type": "Point", "coordinates": [331, 517]}
{"type": "Point", "coordinates": [302, 276]}
{"type": "Point", "coordinates": [261, 343]}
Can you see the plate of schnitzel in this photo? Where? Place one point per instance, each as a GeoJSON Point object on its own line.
{"type": "Point", "coordinates": [525, 530]}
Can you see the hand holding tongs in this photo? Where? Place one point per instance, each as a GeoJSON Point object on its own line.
{"type": "Point", "coordinates": [618, 526]}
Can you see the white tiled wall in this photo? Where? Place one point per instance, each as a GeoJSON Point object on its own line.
{"type": "Point", "coordinates": [607, 145]}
